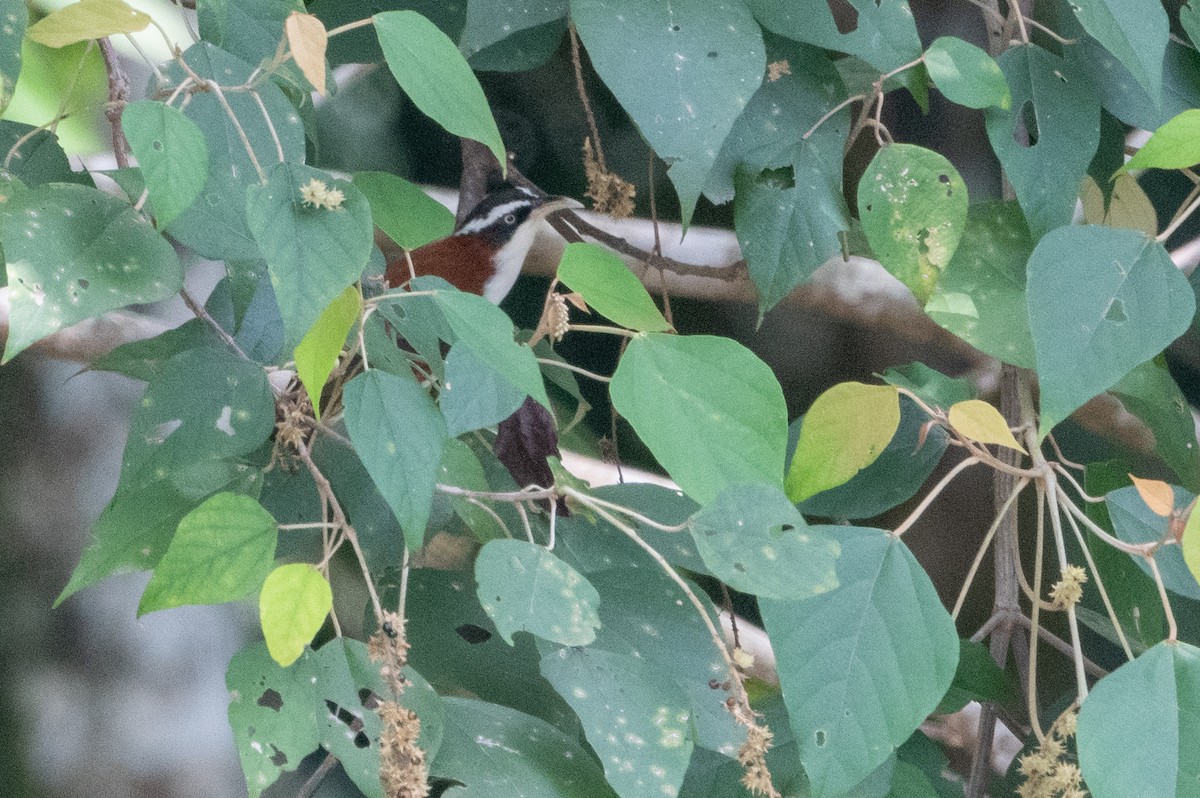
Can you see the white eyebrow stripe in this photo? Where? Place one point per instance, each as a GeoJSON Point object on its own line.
{"type": "Point", "coordinates": [499, 212]}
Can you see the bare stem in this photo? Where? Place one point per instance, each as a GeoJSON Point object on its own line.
{"type": "Point", "coordinates": [933, 494]}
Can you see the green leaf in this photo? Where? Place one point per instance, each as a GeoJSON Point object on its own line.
{"type": "Point", "coordinates": [221, 552]}
{"type": "Point", "coordinates": [1143, 715]}
{"type": "Point", "coordinates": [488, 332]}
{"type": "Point", "coordinates": [913, 206]}
{"type": "Point", "coordinates": [474, 395]}
{"type": "Point", "coordinates": [980, 297]}
{"type": "Point", "coordinates": [201, 415]}
{"type": "Point", "coordinates": [682, 70]}
{"type": "Point", "coordinates": [216, 224]}
{"type": "Point", "coordinates": [645, 615]}
{"type": "Point", "coordinates": [966, 74]}
{"type": "Point", "coordinates": [1149, 392]}
{"type": "Point", "coordinates": [313, 252]}
{"type": "Point", "coordinates": [171, 153]}
{"type": "Point", "coordinates": [522, 51]}
{"type": "Point", "coordinates": [845, 430]}
{"type": "Point", "coordinates": [1127, 303]}
{"type": "Point", "coordinates": [607, 285]}
{"type": "Point", "coordinates": [1134, 522]}
{"type": "Point", "coordinates": [789, 208]}
{"type": "Point", "coordinates": [754, 540]}
{"type": "Point", "coordinates": [1189, 18]}
{"type": "Point", "coordinates": [252, 32]}
{"type": "Point", "coordinates": [15, 15]}
{"type": "Point", "coordinates": [292, 607]}
{"type": "Point", "coordinates": [524, 588]}
{"type": "Point", "coordinates": [85, 20]}
{"type": "Point", "coordinates": [399, 435]}
{"type": "Point", "coordinates": [491, 750]}
{"type": "Point", "coordinates": [144, 360]}
{"type": "Point", "coordinates": [895, 476]}
{"type": "Point", "coordinates": [436, 77]}
{"type": "Point", "coordinates": [461, 468]}
{"type": "Point", "coordinates": [74, 252]}
{"type": "Point", "coordinates": [979, 678]}
{"type": "Point", "coordinates": [317, 353]}
{"type": "Point", "coordinates": [1120, 91]}
{"type": "Point", "coordinates": [1049, 135]}
{"type": "Point", "coordinates": [39, 159]}
{"type": "Point", "coordinates": [884, 34]}
{"type": "Point", "coordinates": [1135, 31]}
{"type": "Point", "coordinates": [273, 714]}
{"type": "Point", "coordinates": [930, 385]}
{"type": "Point", "coordinates": [492, 21]}
{"type": "Point", "coordinates": [408, 215]}
{"type": "Point", "coordinates": [711, 412]}
{"type": "Point", "coordinates": [1173, 146]}
{"type": "Point", "coordinates": [636, 718]}
{"type": "Point", "coordinates": [863, 665]}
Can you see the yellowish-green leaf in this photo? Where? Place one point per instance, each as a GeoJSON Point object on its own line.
{"type": "Point", "coordinates": [978, 421]}
{"type": "Point", "coordinates": [844, 431]}
{"type": "Point", "coordinates": [1190, 543]}
{"type": "Point", "coordinates": [317, 353]}
{"type": "Point", "coordinates": [292, 606]}
{"type": "Point", "coordinates": [86, 20]}
{"type": "Point", "coordinates": [307, 39]}
{"type": "Point", "coordinates": [1158, 495]}
{"type": "Point", "coordinates": [1175, 145]}
{"type": "Point", "coordinates": [1128, 207]}
{"type": "Point", "coordinates": [609, 287]}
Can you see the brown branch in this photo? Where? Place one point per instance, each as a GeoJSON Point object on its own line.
{"type": "Point", "coordinates": [118, 96]}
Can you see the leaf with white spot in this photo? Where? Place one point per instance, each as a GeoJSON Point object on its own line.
{"type": "Point", "coordinates": [74, 252]}
{"type": "Point", "coordinates": [172, 154]}
{"type": "Point", "coordinates": [524, 588]}
{"type": "Point", "coordinates": [753, 539]}
{"type": "Point", "coordinates": [14, 16]}
{"type": "Point", "coordinates": [637, 719]}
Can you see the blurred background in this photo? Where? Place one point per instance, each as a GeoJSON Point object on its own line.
{"type": "Point", "coordinates": [97, 702]}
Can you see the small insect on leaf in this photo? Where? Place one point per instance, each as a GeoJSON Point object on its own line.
{"type": "Point", "coordinates": [1157, 495]}
{"type": "Point", "coordinates": [978, 421]}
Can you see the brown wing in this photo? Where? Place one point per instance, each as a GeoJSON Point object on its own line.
{"type": "Point", "coordinates": [462, 261]}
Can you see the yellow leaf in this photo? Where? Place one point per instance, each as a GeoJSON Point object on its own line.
{"type": "Point", "coordinates": [307, 39]}
{"type": "Point", "coordinates": [317, 353]}
{"type": "Point", "coordinates": [86, 20]}
{"type": "Point", "coordinates": [1157, 495]}
{"type": "Point", "coordinates": [978, 421]}
{"type": "Point", "coordinates": [1191, 544]}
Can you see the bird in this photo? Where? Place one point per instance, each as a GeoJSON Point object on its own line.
{"type": "Point", "coordinates": [484, 256]}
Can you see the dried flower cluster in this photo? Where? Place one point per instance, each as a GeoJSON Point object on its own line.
{"type": "Point", "coordinates": [609, 192]}
{"type": "Point", "coordinates": [318, 195]}
{"type": "Point", "coordinates": [753, 754]}
{"type": "Point", "coordinates": [402, 766]}
{"type": "Point", "coordinates": [777, 69]}
{"type": "Point", "coordinates": [1047, 771]}
{"type": "Point", "coordinates": [1069, 590]}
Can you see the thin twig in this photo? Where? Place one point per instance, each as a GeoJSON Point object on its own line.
{"type": "Point", "coordinates": [202, 314]}
{"type": "Point", "coordinates": [985, 545]}
{"type": "Point", "coordinates": [602, 328]}
{"type": "Point", "coordinates": [310, 786]}
{"type": "Point", "coordinates": [581, 90]}
{"type": "Point", "coordinates": [270, 125]}
{"type": "Point", "coordinates": [933, 494]}
{"type": "Point", "coordinates": [1052, 492]}
{"type": "Point", "coordinates": [1172, 629]}
{"type": "Point", "coordinates": [118, 94]}
{"type": "Point", "coordinates": [1108, 605]}
{"type": "Point", "coordinates": [562, 364]}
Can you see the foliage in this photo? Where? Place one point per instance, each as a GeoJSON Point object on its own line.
{"type": "Point", "coordinates": [582, 655]}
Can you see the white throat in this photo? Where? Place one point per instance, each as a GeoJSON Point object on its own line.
{"type": "Point", "coordinates": [509, 261]}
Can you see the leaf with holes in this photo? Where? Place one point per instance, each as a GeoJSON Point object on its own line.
{"type": "Point", "coordinates": [880, 32]}
{"type": "Point", "coordinates": [1127, 303]}
{"type": "Point", "coordinates": [1144, 714]}
{"type": "Point", "coordinates": [636, 718]}
{"type": "Point", "coordinates": [524, 588]}
{"type": "Point", "coordinates": [74, 252]}
{"type": "Point", "coordinates": [408, 215]}
{"type": "Point", "coordinates": [15, 16]}
{"type": "Point", "coordinates": [683, 71]}
{"type": "Point", "coordinates": [980, 297]}
{"type": "Point", "coordinates": [863, 665]}
{"type": "Point", "coordinates": [710, 411]}
{"type": "Point", "coordinates": [436, 77]}
{"type": "Point", "coordinates": [86, 20]}
{"type": "Point", "coordinates": [314, 246]}
{"type": "Point", "coordinates": [317, 353]}
{"type": "Point", "coordinates": [490, 750]}
{"type": "Point", "coordinates": [913, 206]}
{"type": "Point", "coordinates": [1049, 135]}
{"type": "Point", "coordinates": [845, 430]}
{"type": "Point", "coordinates": [172, 154]}
{"type": "Point", "coordinates": [399, 435]}
{"type": "Point", "coordinates": [607, 285]}
{"type": "Point", "coordinates": [965, 74]}
{"type": "Point", "coordinates": [978, 421]}
{"type": "Point", "coordinates": [292, 607]}
{"type": "Point", "coordinates": [753, 539]}
{"type": "Point", "coordinates": [1134, 31]}
{"type": "Point", "coordinates": [221, 552]}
